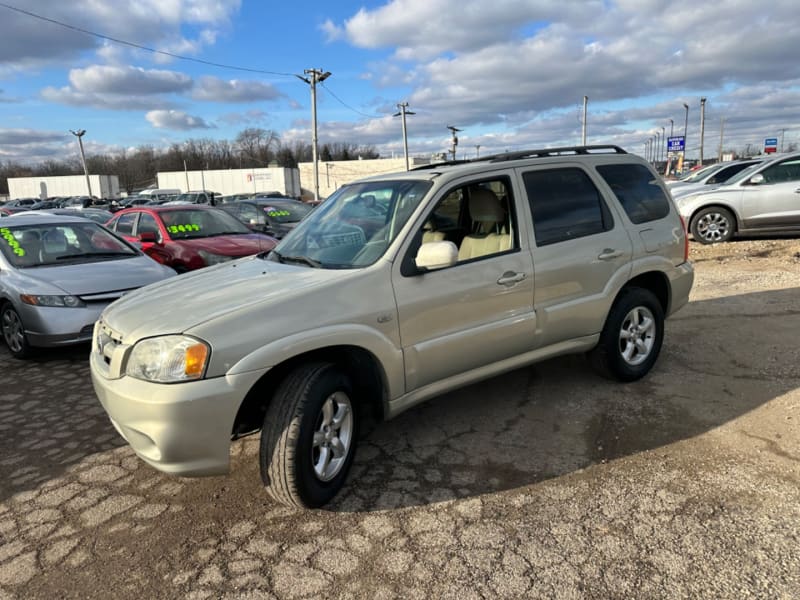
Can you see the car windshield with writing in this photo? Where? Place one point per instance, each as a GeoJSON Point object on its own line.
{"type": "Point", "coordinates": [285, 212]}
{"type": "Point", "coordinates": [187, 224]}
{"type": "Point", "coordinates": [61, 243]}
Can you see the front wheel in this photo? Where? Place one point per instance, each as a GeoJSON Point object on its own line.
{"type": "Point", "coordinates": [14, 333]}
{"type": "Point", "coordinates": [712, 225]}
{"type": "Point", "coordinates": [631, 338]}
{"type": "Point", "coordinates": [309, 436]}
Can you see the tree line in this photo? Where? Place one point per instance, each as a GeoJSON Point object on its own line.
{"type": "Point", "coordinates": [137, 168]}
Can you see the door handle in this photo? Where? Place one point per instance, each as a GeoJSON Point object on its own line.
{"type": "Point", "coordinates": [510, 278]}
{"type": "Point", "coordinates": [609, 254]}
{"type": "Point", "coordinates": [797, 191]}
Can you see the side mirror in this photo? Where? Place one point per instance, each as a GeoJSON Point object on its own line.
{"type": "Point", "coordinates": [436, 255]}
{"type": "Point", "coordinates": [148, 236]}
{"type": "Point", "coordinates": [756, 179]}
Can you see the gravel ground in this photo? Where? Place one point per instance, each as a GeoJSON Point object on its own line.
{"type": "Point", "coordinates": [546, 482]}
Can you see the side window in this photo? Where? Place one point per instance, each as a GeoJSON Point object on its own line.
{"type": "Point", "coordinates": [788, 170]}
{"type": "Point", "coordinates": [478, 218]}
{"type": "Point", "coordinates": [147, 224]}
{"type": "Point", "coordinates": [250, 214]}
{"type": "Point", "coordinates": [565, 204]}
{"type": "Point", "coordinates": [637, 191]}
{"type": "Point", "coordinates": [124, 224]}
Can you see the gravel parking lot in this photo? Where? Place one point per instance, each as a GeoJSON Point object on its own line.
{"type": "Point", "coordinates": [545, 482]}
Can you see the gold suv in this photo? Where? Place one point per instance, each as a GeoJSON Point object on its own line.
{"type": "Point", "coordinates": [396, 289]}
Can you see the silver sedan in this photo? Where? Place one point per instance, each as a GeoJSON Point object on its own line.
{"type": "Point", "coordinates": [58, 273]}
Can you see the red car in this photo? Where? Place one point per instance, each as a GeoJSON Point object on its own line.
{"type": "Point", "coordinates": [187, 237]}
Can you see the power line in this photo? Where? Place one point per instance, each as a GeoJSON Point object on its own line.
{"type": "Point", "coordinates": [347, 106]}
{"type": "Point", "coordinates": [139, 46]}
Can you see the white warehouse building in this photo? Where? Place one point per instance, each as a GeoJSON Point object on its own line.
{"type": "Point", "coordinates": [103, 186]}
{"type": "Point", "coordinates": [234, 181]}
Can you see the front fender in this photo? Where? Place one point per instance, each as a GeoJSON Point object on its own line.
{"type": "Point", "coordinates": [388, 355]}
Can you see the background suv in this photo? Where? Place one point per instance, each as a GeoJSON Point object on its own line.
{"type": "Point", "coordinates": [762, 199]}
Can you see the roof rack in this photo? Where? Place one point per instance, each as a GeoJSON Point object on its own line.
{"type": "Point", "coordinates": [565, 150]}
{"type": "Point", "coordinates": [543, 152]}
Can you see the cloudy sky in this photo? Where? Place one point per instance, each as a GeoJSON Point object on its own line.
{"type": "Point", "coordinates": [510, 74]}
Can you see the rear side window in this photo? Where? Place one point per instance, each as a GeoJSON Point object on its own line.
{"type": "Point", "coordinates": [565, 204]}
{"type": "Point", "coordinates": [637, 191]}
{"type": "Point", "coordinates": [125, 223]}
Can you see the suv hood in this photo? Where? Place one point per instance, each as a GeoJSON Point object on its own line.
{"type": "Point", "coordinates": [183, 302]}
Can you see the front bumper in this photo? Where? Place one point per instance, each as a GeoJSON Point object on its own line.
{"type": "Point", "coordinates": [182, 428]}
{"type": "Point", "coordinates": [49, 326]}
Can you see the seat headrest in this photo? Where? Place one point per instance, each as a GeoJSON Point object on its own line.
{"type": "Point", "coordinates": [485, 207]}
{"type": "Point", "coordinates": [54, 241]}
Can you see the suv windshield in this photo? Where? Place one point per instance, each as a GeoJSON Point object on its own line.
{"type": "Point", "coordinates": [354, 226]}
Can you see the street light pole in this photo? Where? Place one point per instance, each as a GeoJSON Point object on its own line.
{"type": "Point", "coordinates": [685, 130]}
{"type": "Point", "coordinates": [663, 142]}
{"type": "Point", "coordinates": [671, 127]}
{"type": "Point", "coordinates": [315, 76]}
{"type": "Point", "coordinates": [702, 127]}
{"type": "Point", "coordinates": [403, 106]}
{"type": "Point", "coordinates": [79, 134]}
{"type": "Point", "coordinates": [583, 128]}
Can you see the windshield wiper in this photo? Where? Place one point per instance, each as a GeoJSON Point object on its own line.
{"type": "Point", "coordinates": [305, 260]}
{"type": "Point", "coordinates": [92, 254]}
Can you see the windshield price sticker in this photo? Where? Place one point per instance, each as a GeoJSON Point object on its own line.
{"type": "Point", "coordinates": [183, 228]}
{"type": "Point", "coordinates": [11, 241]}
{"type": "Point", "coordinates": [271, 212]}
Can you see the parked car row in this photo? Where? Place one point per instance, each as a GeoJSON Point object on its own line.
{"type": "Point", "coordinates": [62, 267]}
{"type": "Point", "coordinates": [762, 198]}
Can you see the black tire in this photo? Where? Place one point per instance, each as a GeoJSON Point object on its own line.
{"type": "Point", "coordinates": [631, 338]}
{"type": "Point", "coordinates": [294, 436]}
{"type": "Point", "coordinates": [713, 225]}
{"type": "Point", "coordinates": [14, 333]}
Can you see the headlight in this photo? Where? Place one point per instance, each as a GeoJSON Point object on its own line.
{"type": "Point", "coordinates": [168, 359]}
{"type": "Point", "coordinates": [213, 259]}
{"type": "Point", "coordinates": [60, 301]}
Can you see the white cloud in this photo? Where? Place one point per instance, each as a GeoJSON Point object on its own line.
{"type": "Point", "coordinates": [154, 23]}
{"type": "Point", "coordinates": [213, 89]}
{"type": "Point", "coordinates": [101, 79]}
{"type": "Point", "coordinates": [176, 119]}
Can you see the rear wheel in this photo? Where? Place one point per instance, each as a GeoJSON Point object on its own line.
{"type": "Point", "coordinates": [631, 338]}
{"type": "Point", "coordinates": [712, 225]}
{"type": "Point", "coordinates": [309, 436]}
{"type": "Point", "coordinates": [14, 332]}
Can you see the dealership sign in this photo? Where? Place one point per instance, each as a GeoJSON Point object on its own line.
{"type": "Point", "coordinates": [675, 145]}
{"type": "Point", "coordinates": [770, 145]}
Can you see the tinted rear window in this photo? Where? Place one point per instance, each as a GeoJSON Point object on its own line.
{"type": "Point", "coordinates": [637, 191]}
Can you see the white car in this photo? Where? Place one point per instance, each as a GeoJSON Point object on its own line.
{"type": "Point", "coordinates": [762, 199]}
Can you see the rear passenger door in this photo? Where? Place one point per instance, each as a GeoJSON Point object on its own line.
{"type": "Point", "coordinates": [581, 252]}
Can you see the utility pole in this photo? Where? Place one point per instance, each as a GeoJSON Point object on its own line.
{"type": "Point", "coordinates": [315, 76]}
{"type": "Point", "coordinates": [721, 136]}
{"type": "Point", "coordinates": [454, 130]}
{"type": "Point", "coordinates": [671, 127]}
{"type": "Point", "coordinates": [702, 127]}
{"type": "Point", "coordinates": [663, 142]}
{"type": "Point", "coordinates": [782, 132]}
{"type": "Point", "coordinates": [686, 132]}
{"type": "Point", "coordinates": [403, 106]}
{"type": "Point", "coordinates": [79, 134]}
{"type": "Point", "coordinates": [583, 128]}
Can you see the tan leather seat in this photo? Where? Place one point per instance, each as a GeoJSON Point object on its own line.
{"type": "Point", "coordinates": [489, 234]}
{"type": "Point", "coordinates": [429, 235]}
